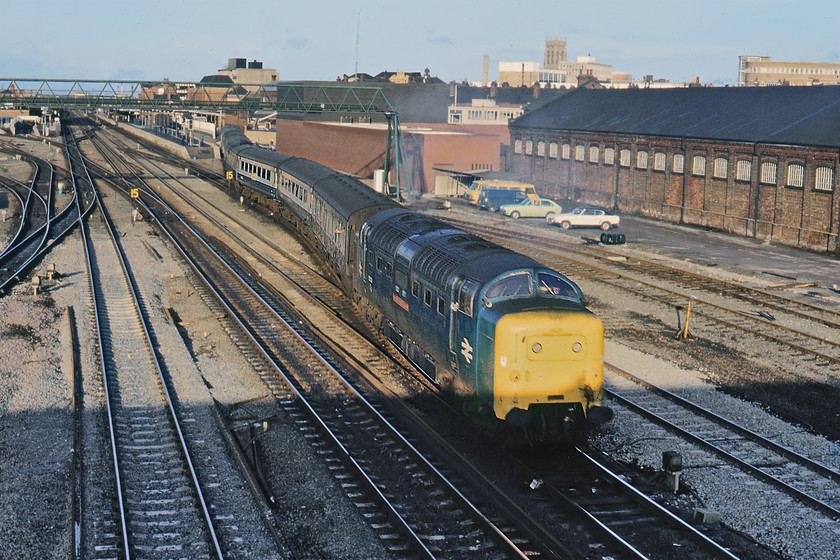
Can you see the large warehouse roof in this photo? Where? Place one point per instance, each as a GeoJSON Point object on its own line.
{"type": "Point", "coordinates": [805, 115]}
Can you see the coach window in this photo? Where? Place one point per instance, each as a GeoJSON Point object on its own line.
{"type": "Point", "coordinates": [427, 296]}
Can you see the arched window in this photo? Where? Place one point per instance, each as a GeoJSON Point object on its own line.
{"type": "Point", "coordinates": [579, 149]}
{"type": "Point", "coordinates": [768, 173]}
{"type": "Point", "coordinates": [721, 168]}
{"type": "Point", "coordinates": [743, 170]}
{"type": "Point", "coordinates": [795, 171]}
{"type": "Point", "coordinates": [659, 161]}
{"type": "Point", "coordinates": [609, 156]}
{"type": "Point", "coordinates": [624, 158]}
{"type": "Point", "coordinates": [824, 179]}
{"type": "Point", "coordinates": [698, 166]}
{"type": "Point", "coordinates": [679, 163]}
{"type": "Point", "coordinates": [641, 160]}
{"type": "Point", "coordinates": [552, 150]}
{"type": "Point", "coordinates": [593, 154]}
{"type": "Point", "coordinates": [567, 149]}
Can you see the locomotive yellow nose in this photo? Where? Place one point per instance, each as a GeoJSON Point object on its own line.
{"type": "Point", "coordinates": [545, 357]}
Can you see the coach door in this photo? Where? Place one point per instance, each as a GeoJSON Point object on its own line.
{"type": "Point", "coordinates": [462, 331]}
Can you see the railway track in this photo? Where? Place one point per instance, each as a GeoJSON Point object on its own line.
{"type": "Point", "coordinates": [160, 507]}
{"type": "Point", "coordinates": [786, 470]}
{"type": "Point", "coordinates": [603, 520]}
{"type": "Point", "coordinates": [41, 226]}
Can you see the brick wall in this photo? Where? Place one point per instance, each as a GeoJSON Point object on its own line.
{"type": "Point", "coordinates": [802, 216]}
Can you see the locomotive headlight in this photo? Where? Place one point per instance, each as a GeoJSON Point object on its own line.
{"type": "Point", "coordinates": [536, 348]}
{"type": "Point", "coordinates": [577, 347]}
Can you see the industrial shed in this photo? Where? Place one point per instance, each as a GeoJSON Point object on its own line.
{"type": "Point", "coordinates": [755, 161]}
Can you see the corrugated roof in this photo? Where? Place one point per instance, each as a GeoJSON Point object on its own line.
{"type": "Point", "coordinates": [800, 115]}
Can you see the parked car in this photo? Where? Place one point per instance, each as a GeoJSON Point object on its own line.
{"type": "Point", "coordinates": [532, 208]}
{"type": "Point", "coordinates": [585, 216]}
{"type": "Point", "coordinates": [492, 199]}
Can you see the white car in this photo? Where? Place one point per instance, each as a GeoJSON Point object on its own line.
{"type": "Point", "coordinates": [585, 216]}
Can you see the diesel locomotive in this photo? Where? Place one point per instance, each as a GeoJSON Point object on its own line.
{"type": "Point", "coordinates": [510, 337]}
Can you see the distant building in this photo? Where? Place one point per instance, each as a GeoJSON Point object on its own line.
{"type": "Point", "coordinates": [555, 53]}
{"type": "Point", "coordinates": [557, 71]}
{"type": "Point", "coordinates": [250, 73]}
{"type": "Point", "coordinates": [483, 111]}
{"type": "Point", "coordinates": [761, 71]}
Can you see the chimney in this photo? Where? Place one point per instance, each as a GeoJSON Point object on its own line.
{"type": "Point", "coordinates": [484, 80]}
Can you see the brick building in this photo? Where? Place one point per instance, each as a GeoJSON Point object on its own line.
{"type": "Point", "coordinates": [758, 162]}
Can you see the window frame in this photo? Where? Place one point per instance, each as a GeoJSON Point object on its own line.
{"type": "Point", "coordinates": [740, 175]}
{"type": "Point", "coordinates": [720, 169]}
{"type": "Point", "coordinates": [698, 166]}
{"type": "Point", "coordinates": [795, 175]}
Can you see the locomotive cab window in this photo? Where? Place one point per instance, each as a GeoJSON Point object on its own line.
{"type": "Point", "coordinates": [555, 286]}
{"type": "Point", "coordinates": [379, 264]}
{"type": "Point", "coordinates": [415, 288]}
{"type": "Point", "coordinates": [441, 306]}
{"type": "Point", "coordinates": [518, 284]}
{"type": "Point", "coordinates": [427, 297]}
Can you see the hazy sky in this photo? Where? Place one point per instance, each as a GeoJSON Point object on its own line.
{"type": "Point", "coordinates": [185, 40]}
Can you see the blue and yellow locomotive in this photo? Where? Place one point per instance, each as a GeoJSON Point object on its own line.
{"type": "Point", "coordinates": [511, 336]}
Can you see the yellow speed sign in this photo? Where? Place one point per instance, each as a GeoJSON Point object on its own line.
{"type": "Point", "coordinates": [229, 175]}
{"type": "Point", "coordinates": [135, 193]}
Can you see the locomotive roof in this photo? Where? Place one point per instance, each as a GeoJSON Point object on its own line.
{"type": "Point", "coordinates": [442, 250]}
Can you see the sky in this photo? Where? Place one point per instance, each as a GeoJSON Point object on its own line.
{"type": "Point", "coordinates": [185, 40]}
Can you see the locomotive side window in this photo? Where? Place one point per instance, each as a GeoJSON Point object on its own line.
{"type": "Point", "coordinates": [415, 288]}
{"type": "Point", "coordinates": [379, 264]}
{"type": "Point", "coordinates": [441, 306]}
{"type": "Point", "coordinates": [388, 270]}
{"type": "Point", "coordinates": [552, 285]}
{"type": "Point", "coordinates": [427, 297]}
{"type": "Point", "coordinates": [466, 292]}
{"type": "Point", "coordinates": [518, 284]}
{"type": "Point", "coordinates": [400, 280]}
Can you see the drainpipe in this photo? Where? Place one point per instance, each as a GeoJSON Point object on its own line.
{"type": "Point", "coordinates": [684, 175]}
